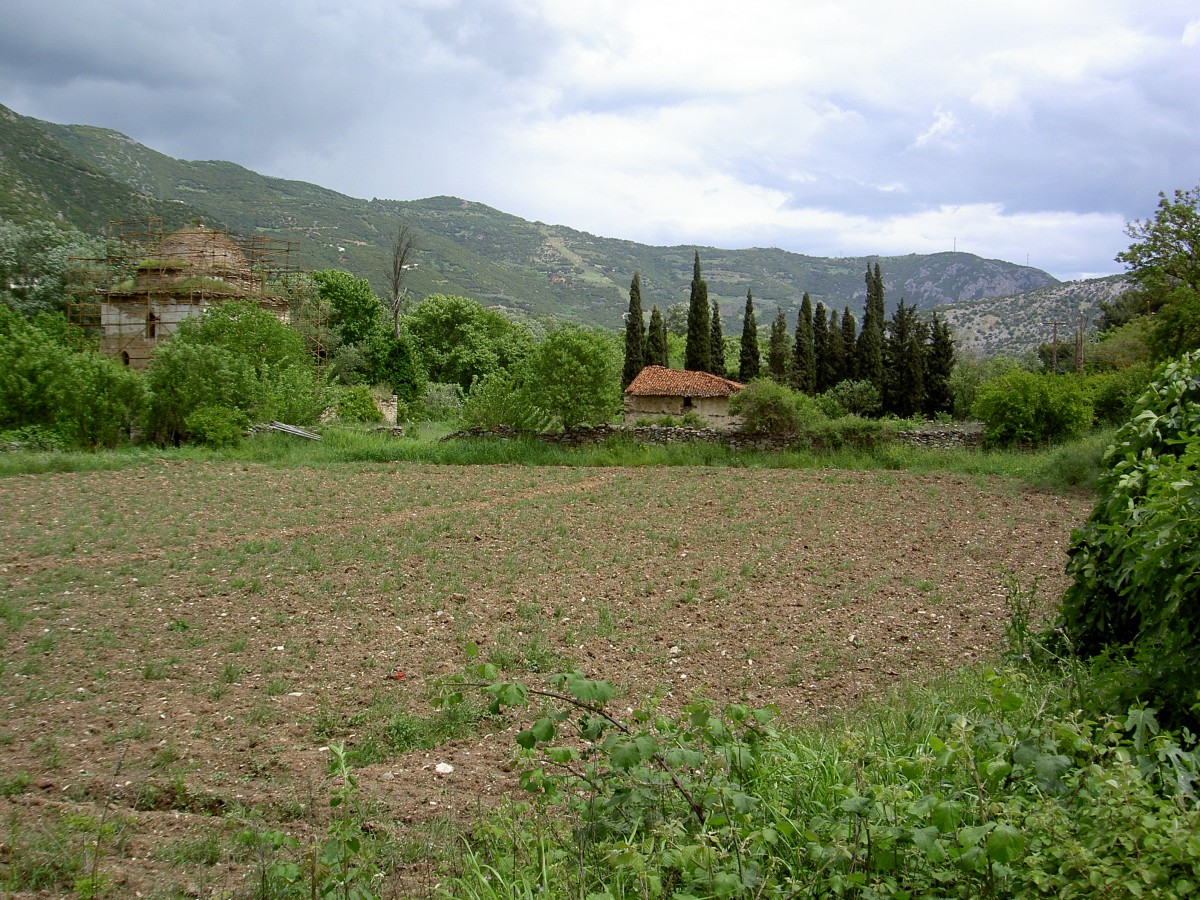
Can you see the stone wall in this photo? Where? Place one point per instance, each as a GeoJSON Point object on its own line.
{"type": "Point", "coordinates": [936, 436]}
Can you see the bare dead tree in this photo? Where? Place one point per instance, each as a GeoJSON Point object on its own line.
{"type": "Point", "coordinates": [404, 248]}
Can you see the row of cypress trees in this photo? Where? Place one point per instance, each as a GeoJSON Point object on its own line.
{"type": "Point", "coordinates": [907, 360]}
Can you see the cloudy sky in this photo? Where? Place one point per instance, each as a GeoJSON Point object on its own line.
{"type": "Point", "coordinates": [1025, 130]}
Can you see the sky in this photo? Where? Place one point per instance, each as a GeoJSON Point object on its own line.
{"type": "Point", "coordinates": [1027, 131]}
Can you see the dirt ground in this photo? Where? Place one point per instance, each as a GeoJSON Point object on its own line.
{"type": "Point", "coordinates": [181, 644]}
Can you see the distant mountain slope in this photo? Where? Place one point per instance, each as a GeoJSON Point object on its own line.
{"type": "Point", "coordinates": [463, 247]}
{"type": "Point", "coordinates": [1012, 325]}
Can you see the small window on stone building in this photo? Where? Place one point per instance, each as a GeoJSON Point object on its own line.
{"type": "Point", "coordinates": [125, 357]}
{"type": "Point", "coordinates": [687, 402]}
{"type": "Point", "coordinates": [151, 325]}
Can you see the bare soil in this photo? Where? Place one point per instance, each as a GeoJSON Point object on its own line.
{"type": "Point", "coordinates": [181, 644]}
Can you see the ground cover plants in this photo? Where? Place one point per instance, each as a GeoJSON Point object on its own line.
{"type": "Point", "coordinates": [186, 643]}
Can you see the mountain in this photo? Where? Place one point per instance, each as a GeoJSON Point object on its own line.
{"type": "Point", "coordinates": [87, 175]}
{"type": "Point", "coordinates": [1011, 325]}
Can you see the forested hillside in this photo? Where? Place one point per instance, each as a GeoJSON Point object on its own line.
{"type": "Point", "coordinates": [86, 176]}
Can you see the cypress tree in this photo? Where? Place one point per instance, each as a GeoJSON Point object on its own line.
{"type": "Point", "coordinates": [656, 341]}
{"type": "Point", "coordinates": [635, 337]}
{"type": "Point", "coordinates": [716, 349]}
{"type": "Point", "coordinates": [939, 364]}
{"type": "Point", "coordinates": [778, 350]}
{"type": "Point", "coordinates": [868, 355]}
{"type": "Point", "coordinates": [750, 361]}
{"type": "Point", "coordinates": [824, 370]}
{"type": "Point", "coordinates": [849, 332]}
{"type": "Point", "coordinates": [804, 367]}
{"type": "Point", "coordinates": [835, 352]}
{"type": "Point", "coordinates": [697, 354]}
{"type": "Point", "coordinates": [904, 365]}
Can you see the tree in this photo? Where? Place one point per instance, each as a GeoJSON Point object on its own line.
{"type": "Point", "coordinates": [354, 310]}
{"type": "Point", "coordinates": [835, 354]}
{"type": "Point", "coordinates": [803, 363]}
{"type": "Point", "coordinates": [460, 341]}
{"type": "Point", "coordinates": [34, 264]}
{"type": "Point", "coordinates": [656, 341]}
{"type": "Point", "coordinates": [716, 349]}
{"type": "Point", "coordinates": [697, 355]}
{"type": "Point", "coordinates": [750, 361]}
{"type": "Point", "coordinates": [939, 366]}
{"type": "Point", "coordinates": [1164, 261]}
{"type": "Point", "coordinates": [868, 355]}
{"type": "Point", "coordinates": [635, 336]}
{"type": "Point", "coordinates": [821, 349]}
{"type": "Point", "coordinates": [404, 250]}
{"type": "Point", "coordinates": [573, 376]}
{"type": "Point", "coordinates": [778, 350]}
{"type": "Point", "coordinates": [904, 363]}
{"type": "Point", "coordinates": [849, 343]}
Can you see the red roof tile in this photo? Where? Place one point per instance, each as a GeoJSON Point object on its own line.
{"type": "Point", "coordinates": [657, 381]}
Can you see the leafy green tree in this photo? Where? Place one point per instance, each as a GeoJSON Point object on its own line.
{"type": "Point", "coordinates": [849, 343]}
{"type": "Point", "coordinates": [574, 376]}
{"type": "Point", "coordinates": [657, 351]}
{"type": "Point", "coordinates": [459, 340]}
{"type": "Point", "coordinates": [698, 355]}
{"type": "Point", "coordinates": [939, 367]}
{"type": "Point", "coordinates": [835, 354]}
{"type": "Point", "coordinates": [804, 365]}
{"type": "Point", "coordinates": [768, 407]}
{"type": "Point", "coordinates": [354, 310]}
{"type": "Point", "coordinates": [750, 359]}
{"type": "Point", "coordinates": [505, 398]}
{"type": "Point", "coordinates": [635, 334]}
{"type": "Point", "coordinates": [904, 363]}
{"type": "Point", "coordinates": [396, 362]}
{"type": "Point", "coordinates": [235, 357]}
{"type": "Point", "coordinates": [34, 372]}
{"type": "Point", "coordinates": [778, 350]}
{"type": "Point", "coordinates": [716, 350]}
{"type": "Point", "coordinates": [106, 400]}
{"type": "Point", "coordinates": [1164, 261]}
{"type": "Point", "coordinates": [676, 319]}
{"type": "Point", "coordinates": [868, 355]}
{"type": "Point", "coordinates": [35, 261]}
{"type": "Point", "coordinates": [1023, 408]}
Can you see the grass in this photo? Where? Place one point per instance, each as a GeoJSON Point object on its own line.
{"type": "Point", "coordinates": [1070, 465]}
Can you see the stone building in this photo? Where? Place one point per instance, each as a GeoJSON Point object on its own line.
{"type": "Point", "coordinates": [658, 391]}
{"type": "Point", "coordinates": [169, 278]}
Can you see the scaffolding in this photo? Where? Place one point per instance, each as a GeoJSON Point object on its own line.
{"type": "Point", "coordinates": [149, 281]}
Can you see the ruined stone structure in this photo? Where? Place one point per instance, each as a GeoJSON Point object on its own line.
{"type": "Point", "coordinates": [658, 391]}
{"type": "Point", "coordinates": [136, 297]}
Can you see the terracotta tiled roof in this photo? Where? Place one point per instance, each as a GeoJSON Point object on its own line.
{"type": "Point", "coordinates": [657, 381]}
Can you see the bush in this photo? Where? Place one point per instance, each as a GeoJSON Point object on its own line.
{"type": "Point", "coordinates": [356, 404]}
{"type": "Point", "coordinates": [1023, 408]}
{"type": "Point", "coordinates": [1136, 561]}
{"type": "Point", "coordinates": [1113, 394]}
{"type": "Point", "coordinates": [502, 399]}
{"type": "Point", "coordinates": [34, 438]}
{"type": "Point", "coordinates": [858, 398]}
{"type": "Point", "coordinates": [217, 426]}
{"type": "Point", "coordinates": [441, 402]}
{"type": "Point", "coordinates": [767, 407]}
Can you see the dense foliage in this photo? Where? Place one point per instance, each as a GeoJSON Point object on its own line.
{"type": "Point", "coordinates": [749, 356]}
{"type": "Point", "coordinates": [698, 354]}
{"type": "Point", "coordinates": [1136, 562]}
{"type": "Point", "coordinates": [1023, 408]}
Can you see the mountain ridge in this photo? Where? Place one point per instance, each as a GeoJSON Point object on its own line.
{"type": "Point", "coordinates": [464, 246]}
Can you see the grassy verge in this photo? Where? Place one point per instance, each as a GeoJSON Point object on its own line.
{"type": "Point", "coordinates": [1067, 466]}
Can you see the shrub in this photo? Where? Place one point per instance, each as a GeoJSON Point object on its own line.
{"type": "Point", "coordinates": [858, 398]}
{"type": "Point", "coordinates": [35, 438]}
{"type": "Point", "coordinates": [441, 402]}
{"type": "Point", "coordinates": [217, 426]}
{"type": "Point", "coordinates": [1113, 394]}
{"type": "Point", "coordinates": [1136, 561]}
{"type": "Point", "coordinates": [767, 407]}
{"type": "Point", "coordinates": [1023, 408]}
{"type": "Point", "coordinates": [501, 398]}
{"type": "Point", "coordinates": [356, 404]}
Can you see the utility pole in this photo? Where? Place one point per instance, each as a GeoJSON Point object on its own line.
{"type": "Point", "coordinates": [1055, 324]}
{"type": "Point", "coordinates": [1079, 344]}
